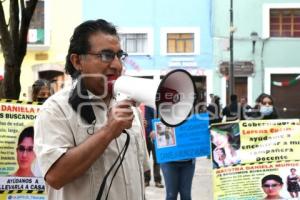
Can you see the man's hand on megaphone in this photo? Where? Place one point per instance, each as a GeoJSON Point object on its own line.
{"type": "Point", "coordinates": [120, 117]}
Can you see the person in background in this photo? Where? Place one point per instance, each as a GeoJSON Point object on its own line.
{"type": "Point", "coordinates": [232, 111]}
{"type": "Point", "coordinates": [41, 90]}
{"type": "Point", "coordinates": [271, 185]}
{"type": "Point", "coordinates": [178, 176]}
{"type": "Point", "coordinates": [148, 116]}
{"type": "Point", "coordinates": [214, 110]}
{"type": "Point", "coordinates": [292, 183]}
{"type": "Point", "coordinates": [82, 131]}
{"type": "Point", "coordinates": [25, 153]}
{"type": "Point", "coordinates": [245, 108]}
{"type": "Point", "coordinates": [264, 108]}
{"type": "Point", "coordinates": [211, 96]}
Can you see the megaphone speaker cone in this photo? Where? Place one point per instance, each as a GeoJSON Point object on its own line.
{"type": "Point", "coordinates": [165, 94]}
{"type": "Point", "coordinates": [177, 94]}
{"type": "Point", "coordinates": [173, 97]}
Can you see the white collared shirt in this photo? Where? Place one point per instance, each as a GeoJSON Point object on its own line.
{"type": "Point", "coordinates": [58, 127]}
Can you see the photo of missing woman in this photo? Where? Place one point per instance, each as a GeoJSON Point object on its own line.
{"type": "Point", "coordinates": [271, 185]}
{"type": "Point", "coordinates": [165, 135]}
{"type": "Point", "coordinates": [282, 185]}
{"type": "Point", "coordinates": [225, 140]}
{"type": "Point", "coordinates": [25, 154]}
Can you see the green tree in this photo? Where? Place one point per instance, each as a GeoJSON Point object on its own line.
{"type": "Point", "coordinates": [13, 42]}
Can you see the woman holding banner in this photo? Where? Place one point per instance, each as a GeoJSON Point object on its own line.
{"type": "Point", "coordinates": [25, 153]}
{"type": "Point", "coordinates": [264, 108]}
{"type": "Point", "coordinates": [178, 175]}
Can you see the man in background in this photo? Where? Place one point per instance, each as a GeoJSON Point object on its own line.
{"type": "Point", "coordinates": [148, 116]}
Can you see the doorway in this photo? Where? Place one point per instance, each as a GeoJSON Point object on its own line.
{"type": "Point", "coordinates": [241, 86]}
{"type": "Point", "coordinates": [286, 98]}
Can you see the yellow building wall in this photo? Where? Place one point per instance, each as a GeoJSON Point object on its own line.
{"type": "Point", "coordinates": [63, 17]}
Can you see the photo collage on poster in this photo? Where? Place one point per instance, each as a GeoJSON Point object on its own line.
{"type": "Point", "coordinates": [254, 158]}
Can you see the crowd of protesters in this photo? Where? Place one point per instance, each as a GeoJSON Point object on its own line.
{"type": "Point", "coordinates": [239, 109]}
{"type": "Point", "coordinates": [64, 146]}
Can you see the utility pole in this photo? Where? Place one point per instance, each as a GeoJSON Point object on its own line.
{"type": "Point", "coordinates": [231, 65]}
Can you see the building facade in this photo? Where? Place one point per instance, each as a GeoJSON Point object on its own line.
{"type": "Point", "coordinates": [48, 39]}
{"type": "Point", "coordinates": [266, 44]}
{"type": "Point", "coordinates": [160, 36]}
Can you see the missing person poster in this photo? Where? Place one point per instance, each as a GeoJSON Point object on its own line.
{"type": "Point", "coordinates": [256, 159]}
{"type": "Point", "coordinates": [20, 177]}
{"type": "Point", "coordinates": [189, 140]}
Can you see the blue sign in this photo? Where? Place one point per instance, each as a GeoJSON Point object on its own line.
{"type": "Point", "coordinates": [189, 140]}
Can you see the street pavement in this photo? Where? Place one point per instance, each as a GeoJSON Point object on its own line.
{"type": "Point", "coordinates": [201, 188]}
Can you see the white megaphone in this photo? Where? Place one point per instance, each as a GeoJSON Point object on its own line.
{"type": "Point", "coordinates": [173, 97]}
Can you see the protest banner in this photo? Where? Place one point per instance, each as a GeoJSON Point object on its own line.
{"type": "Point", "coordinates": [20, 177]}
{"type": "Point", "coordinates": [253, 159]}
{"type": "Point", "coordinates": [189, 140]}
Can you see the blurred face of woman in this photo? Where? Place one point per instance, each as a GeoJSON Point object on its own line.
{"type": "Point", "coordinates": [44, 92]}
{"type": "Point", "coordinates": [266, 106]}
{"type": "Point", "coordinates": [25, 153]}
{"type": "Point", "coordinates": [272, 188]}
{"type": "Point", "coordinates": [220, 140]}
{"type": "Point", "coordinates": [267, 102]}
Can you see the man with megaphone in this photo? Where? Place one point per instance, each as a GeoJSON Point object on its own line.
{"type": "Point", "coordinates": [79, 141]}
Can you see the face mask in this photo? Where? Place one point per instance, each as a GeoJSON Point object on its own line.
{"type": "Point", "coordinates": [266, 110]}
{"type": "Point", "coordinates": [41, 99]}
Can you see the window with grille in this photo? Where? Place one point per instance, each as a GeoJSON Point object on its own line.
{"type": "Point", "coordinates": [36, 32]}
{"type": "Point", "coordinates": [285, 22]}
{"type": "Point", "coordinates": [134, 42]}
{"type": "Point", "coordinates": [180, 42]}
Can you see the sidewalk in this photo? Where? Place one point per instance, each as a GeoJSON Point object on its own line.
{"type": "Point", "coordinates": [202, 183]}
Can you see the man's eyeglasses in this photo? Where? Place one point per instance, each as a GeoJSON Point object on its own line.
{"type": "Point", "coordinates": [22, 149]}
{"type": "Point", "coordinates": [109, 56]}
{"type": "Point", "coordinates": [270, 185]}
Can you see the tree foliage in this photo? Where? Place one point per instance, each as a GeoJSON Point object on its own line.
{"type": "Point", "coordinates": [13, 41]}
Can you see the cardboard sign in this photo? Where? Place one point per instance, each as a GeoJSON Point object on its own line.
{"type": "Point", "coordinates": [189, 140]}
